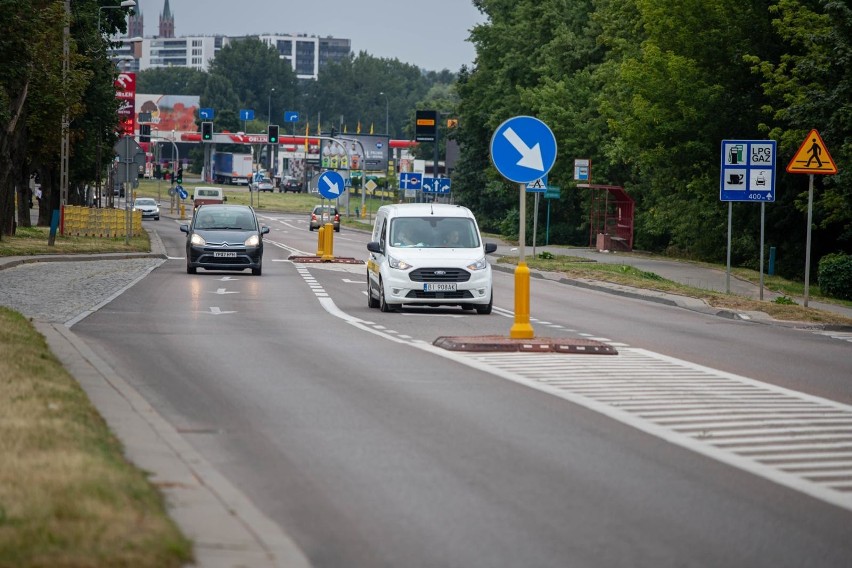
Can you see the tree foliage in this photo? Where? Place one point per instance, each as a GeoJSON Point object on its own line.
{"type": "Point", "coordinates": [648, 89]}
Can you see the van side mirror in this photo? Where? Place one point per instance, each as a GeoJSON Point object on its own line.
{"type": "Point", "coordinates": [490, 247]}
{"type": "Point", "coordinates": [224, 198]}
{"type": "Point", "coordinates": [374, 246]}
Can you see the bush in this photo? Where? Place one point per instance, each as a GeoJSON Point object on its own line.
{"type": "Point", "coordinates": [835, 276]}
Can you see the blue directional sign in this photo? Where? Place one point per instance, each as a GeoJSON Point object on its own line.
{"type": "Point", "coordinates": [436, 185]}
{"type": "Point", "coordinates": [205, 113]}
{"type": "Point", "coordinates": [523, 149]}
{"type": "Point", "coordinates": [291, 116]}
{"type": "Point", "coordinates": [181, 191]}
{"type": "Point", "coordinates": [748, 170]}
{"type": "Point", "coordinates": [409, 180]}
{"type": "Point", "coordinates": [246, 114]}
{"type": "Point", "coordinates": [330, 184]}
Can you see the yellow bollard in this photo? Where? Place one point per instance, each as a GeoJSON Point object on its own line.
{"type": "Point", "coordinates": [328, 242]}
{"type": "Point", "coordinates": [522, 328]}
{"type": "Point", "coordinates": [320, 240]}
{"type": "Point", "coordinates": [182, 211]}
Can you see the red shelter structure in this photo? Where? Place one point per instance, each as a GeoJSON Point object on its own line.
{"type": "Point", "coordinates": [610, 218]}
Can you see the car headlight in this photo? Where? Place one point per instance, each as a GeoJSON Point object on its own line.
{"type": "Point", "coordinates": [398, 264]}
{"type": "Point", "coordinates": [252, 241]}
{"type": "Point", "coordinates": [480, 264]}
{"type": "Point", "coordinates": [197, 240]}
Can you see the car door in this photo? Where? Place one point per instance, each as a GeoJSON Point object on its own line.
{"type": "Point", "coordinates": [377, 259]}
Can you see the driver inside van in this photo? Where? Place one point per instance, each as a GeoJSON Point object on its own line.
{"type": "Point", "coordinates": [404, 238]}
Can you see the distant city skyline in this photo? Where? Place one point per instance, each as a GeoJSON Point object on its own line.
{"type": "Point", "coordinates": [433, 37]}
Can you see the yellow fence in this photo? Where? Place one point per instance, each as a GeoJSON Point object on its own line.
{"type": "Point", "coordinates": [93, 222]}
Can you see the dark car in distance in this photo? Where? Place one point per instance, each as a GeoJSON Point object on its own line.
{"type": "Point", "coordinates": [224, 237]}
{"type": "Point", "coordinates": [290, 184]}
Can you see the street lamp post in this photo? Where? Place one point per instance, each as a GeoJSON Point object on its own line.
{"type": "Point", "coordinates": [387, 123]}
{"type": "Point", "coordinates": [124, 4]}
{"type": "Point", "coordinates": [269, 147]}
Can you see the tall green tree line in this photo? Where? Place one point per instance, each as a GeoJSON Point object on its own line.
{"type": "Point", "coordinates": [648, 89]}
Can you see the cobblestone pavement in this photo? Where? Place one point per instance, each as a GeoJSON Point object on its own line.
{"type": "Point", "coordinates": [59, 292]}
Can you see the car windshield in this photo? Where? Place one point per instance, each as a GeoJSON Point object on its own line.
{"type": "Point", "coordinates": [434, 232]}
{"type": "Point", "coordinates": [220, 219]}
{"type": "Point", "coordinates": [145, 202]}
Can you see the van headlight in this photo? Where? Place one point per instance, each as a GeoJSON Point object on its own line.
{"type": "Point", "coordinates": [197, 240]}
{"type": "Point", "coordinates": [480, 264]}
{"type": "Point", "coordinates": [398, 264]}
{"type": "Point", "coordinates": [252, 241]}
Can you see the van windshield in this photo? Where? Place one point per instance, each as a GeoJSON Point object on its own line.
{"type": "Point", "coordinates": [434, 232]}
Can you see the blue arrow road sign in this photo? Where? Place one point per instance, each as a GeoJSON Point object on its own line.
{"type": "Point", "coordinates": [409, 180]}
{"type": "Point", "coordinates": [205, 113]}
{"type": "Point", "coordinates": [436, 185]}
{"type": "Point", "coordinates": [181, 191]}
{"type": "Point", "coordinates": [330, 184]}
{"type": "Point", "coordinates": [523, 149]}
{"type": "Point", "coordinates": [291, 116]}
{"type": "Point", "coordinates": [246, 114]}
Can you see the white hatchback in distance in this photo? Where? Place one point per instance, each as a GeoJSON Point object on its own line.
{"type": "Point", "coordinates": [428, 254]}
{"type": "Point", "coordinates": [148, 207]}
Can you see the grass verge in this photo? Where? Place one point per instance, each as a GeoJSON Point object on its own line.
{"type": "Point", "coordinates": [588, 269]}
{"type": "Point", "coordinates": [33, 240]}
{"type": "Point", "coordinates": [68, 497]}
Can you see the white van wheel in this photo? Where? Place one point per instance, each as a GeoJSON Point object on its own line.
{"type": "Point", "coordinates": [383, 305]}
{"type": "Point", "coordinates": [486, 309]}
{"type": "Point", "coordinates": [371, 301]}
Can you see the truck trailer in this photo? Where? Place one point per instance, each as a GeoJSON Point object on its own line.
{"type": "Point", "coordinates": [235, 169]}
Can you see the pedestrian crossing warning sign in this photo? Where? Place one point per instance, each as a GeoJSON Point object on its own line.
{"type": "Point", "coordinates": [812, 157]}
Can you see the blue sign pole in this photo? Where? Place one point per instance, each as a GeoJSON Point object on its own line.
{"type": "Point", "coordinates": [523, 149]}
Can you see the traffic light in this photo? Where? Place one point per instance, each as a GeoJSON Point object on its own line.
{"type": "Point", "coordinates": [144, 132]}
{"type": "Point", "coordinates": [206, 131]}
{"type": "Point", "coordinates": [273, 134]}
{"type": "Point", "coordinates": [179, 176]}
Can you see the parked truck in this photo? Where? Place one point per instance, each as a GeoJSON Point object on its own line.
{"type": "Point", "coordinates": [235, 169]}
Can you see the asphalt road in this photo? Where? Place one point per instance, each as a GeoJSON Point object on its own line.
{"type": "Point", "coordinates": [370, 447]}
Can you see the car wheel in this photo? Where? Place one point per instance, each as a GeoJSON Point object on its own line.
{"type": "Point", "coordinates": [371, 301]}
{"type": "Point", "coordinates": [257, 271]}
{"type": "Point", "coordinates": [310, 227]}
{"type": "Point", "coordinates": [157, 218]}
{"type": "Point", "coordinates": [337, 229]}
{"type": "Point", "coordinates": [383, 305]}
{"type": "Point", "coordinates": [191, 269]}
{"type": "Point", "coordinates": [486, 309]}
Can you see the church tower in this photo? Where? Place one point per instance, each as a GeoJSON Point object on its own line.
{"type": "Point", "coordinates": [136, 22]}
{"type": "Point", "coordinates": [167, 22]}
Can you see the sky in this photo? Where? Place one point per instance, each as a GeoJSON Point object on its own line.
{"type": "Point", "coordinates": [432, 34]}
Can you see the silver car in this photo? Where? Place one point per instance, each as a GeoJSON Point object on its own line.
{"type": "Point", "coordinates": [148, 207]}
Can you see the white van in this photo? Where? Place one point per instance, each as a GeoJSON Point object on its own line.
{"type": "Point", "coordinates": [428, 254]}
{"type": "Point", "coordinates": [203, 195]}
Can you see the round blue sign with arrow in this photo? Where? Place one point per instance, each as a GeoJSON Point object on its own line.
{"type": "Point", "coordinates": [181, 191]}
{"type": "Point", "coordinates": [523, 149]}
{"type": "Point", "coordinates": [330, 184]}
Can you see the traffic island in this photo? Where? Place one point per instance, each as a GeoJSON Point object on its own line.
{"type": "Point", "coordinates": [500, 344]}
{"type": "Point", "coordinates": [313, 259]}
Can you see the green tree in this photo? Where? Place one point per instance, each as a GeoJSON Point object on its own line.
{"type": "Point", "coordinates": [171, 81]}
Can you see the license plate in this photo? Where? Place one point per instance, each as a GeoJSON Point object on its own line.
{"type": "Point", "coordinates": [439, 287]}
{"type": "Point", "coordinates": [221, 254]}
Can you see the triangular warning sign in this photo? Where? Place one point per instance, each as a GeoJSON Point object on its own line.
{"type": "Point", "coordinates": [812, 157]}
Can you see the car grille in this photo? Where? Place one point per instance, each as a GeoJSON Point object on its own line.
{"type": "Point", "coordinates": [232, 260]}
{"type": "Point", "coordinates": [457, 295]}
{"type": "Point", "coordinates": [440, 275]}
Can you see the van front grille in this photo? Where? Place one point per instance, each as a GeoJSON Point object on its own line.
{"type": "Point", "coordinates": [440, 275]}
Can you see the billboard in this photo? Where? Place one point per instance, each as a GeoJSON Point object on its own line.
{"type": "Point", "coordinates": [344, 153]}
{"type": "Point", "coordinates": [170, 112]}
